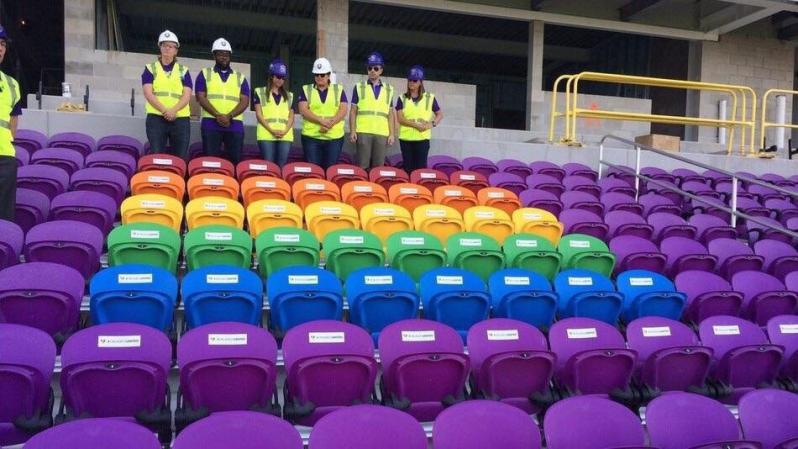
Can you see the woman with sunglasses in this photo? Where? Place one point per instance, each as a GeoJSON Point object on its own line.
{"type": "Point", "coordinates": [323, 124]}
{"type": "Point", "coordinates": [417, 112]}
{"type": "Point", "coordinates": [275, 117]}
{"type": "Point", "coordinates": [371, 117]}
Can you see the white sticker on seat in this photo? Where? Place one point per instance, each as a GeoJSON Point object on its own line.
{"type": "Point", "coordinates": [301, 169]}
{"type": "Point", "coordinates": [141, 234]}
{"type": "Point", "coordinates": [363, 189]}
{"type": "Point", "coordinates": [159, 161]}
{"type": "Point", "coordinates": [788, 328]}
{"type": "Point", "coordinates": [578, 333]}
{"type": "Point", "coordinates": [579, 244]}
{"type": "Point", "coordinates": [387, 173]}
{"type": "Point", "coordinates": [314, 186]}
{"type": "Point", "coordinates": [502, 334]}
{"type": "Point", "coordinates": [303, 279]}
{"type": "Point", "coordinates": [452, 193]}
{"type": "Point", "coordinates": [516, 280]}
{"type": "Point", "coordinates": [412, 240]}
{"type": "Point", "coordinates": [470, 242]}
{"type": "Point", "coordinates": [731, 329]}
{"type": "Point", "coordinates": [523, 243]}
{"type": "Point", "coordinates": [330, 210]}
{"type": "Point", "coordinates": [641, 282]}
{"type": "Point", "coordinates": [227, 339]}
{"type": "Point", "coordinates": [495, 194]}
{"type": "Point", "coordinates": [660, 331]}
{"type": "Point", "coordinates": [415, 336]}
{"type": "Point", "coordinates": [211, 164]}
{"type": "Point", "coordinates": [449, 280]}
{"type": "Point", "coordinates": [468, 177]}
{"type": "Point", "coordinates": [484, 214]}
{"type": "Point", "coordinates": [213, 182]}
{"type": "Point", "coordinates": [408, 191]}
{"type": "Point", "coordinates": [153, 204]}
{"type": "Point", "coordinates": [259, 167]}
{"type": "Point", "coordinates": [214, 206]}
{"type": "Point", "coordinates": [158, 179]}
{"type": "Point", "coordinates": [427, 175]}
{"type": "Point", "coordinates": [580, 281]}
{"type": "Point", "coordinates": [274, 208]}
{"type": "Point", "coordinates": [286, 238]}
{"type": "Point", "coordinates": [531, 216]}
{"type": "Point", "coordinates": [384, 211]}
{"type": "Point", "coordinates": [379, 280]}
{"type": "Point", "coordinates": [119, 341]}
{"type": "Point", "coordinates": [435, 213]}
{"type": "Point", "coordinates": [346, 171]}
{"type": "Point", "coordinates": [219, 236]}
{"type": "Point", "coordinates": [350, 239]}
{"type": "Point", "coordinates": [265, 184]}
{"type": "Point", "coordinates": [135, 278]}
{"type": "Point", "coordinates": [221, 279]}
{"type": "Point", "coordinates": [326, 337]}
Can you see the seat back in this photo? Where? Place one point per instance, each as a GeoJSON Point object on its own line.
{"type": "Point", "coordinates": [323, 217]}
{"type": "Point", "coordinates": [579, 221]}
{"type": "Point", "coordinates": [490, 221]}
{"type": "Point", "coordinates": [46, 179]}
{"type": "Point", "coordinates": [414, 253]}
{"type": "Point", "coordinates": [301, 294]}
{"type": "Point", "coordinates": [636, 253]}
{"type": "Point", "coordinates": [385, 219]}
{"type": "Point", "coordinates": [477, 424]}
{"type": "Point", "coordinates": [341, 174]}
{"type": "Point", "coordinates": [783, 331]}
{"type": "Point", "coordinates": [380, 296]}
{"type": "Point", "coordinates": [150, 208]}
{"type": "Point", "coordinates": [707, 295]}
{"type": "Point", "coordinates": [214, 210]}
{"type": "Point", "coordinates": [210, 164]}
{"type": "Point", "coordinates": [764, 296]}
{"type": "Point", "coordinates": [429, 178]}
{"type": "Point", "coordinates": [256, 188]}
{"type": "Point", "coordinates": [31, 208]}
{"type": "Point", "coordinates": [438, 220]}
{"type": "Point", "coordinates": [780, 258]}
{"type": "Point", "coordinates": [222, 293]}
{"type": "Point", "coordinates": [765, 417]}
{"type": "Point", "coordinates": [308, 191]}
{"type": "Point", "coordinates": [538, 221]}
{"type": "Point", "coordinates": [212, 184]}
{"type": "Point", "coordinates": [65, 158]}
{"type": "Point", "coordinates": [458, 197]}
{"type": "Point", "coordinates": [295, 171]}
{"type": "Point", "coordinates": [592, 422]}
{"type": "Point", "coordinates": [501, 198]}
{"type": "Point", "coordinates": [266, 214]}
{"type": "Point", "coordinates": [147, 243]}
{"type": "Point", "coordinates": [471, 180]}
{"type": "Point", "coordinates": [585, 293]}
{"type": "Point", "coordinates": [532, 252]}
{"type": "Point", "coordinates": [103, 180]}
{"type": "Point", "coordinates": [360, 193]}
{"type": "Point", "coordinates": [94, 208]}
{"type": "Point", "coordinates": [686, 254]}
{"type": "Point", "coordinates": [409, 195]}
{"type": "Point", "coordinates": [217, 245]}
{"type": "Point", "coordinates": [158, 182]}
{"type": "Point", "coordinates": [97, 432]}
{"type": "Point", "coordinates": [475, 252]}
{"type": "Point", "coordinates": [68, 242]}
{"type": "Point", "coordinates": [734, 256]}
{"type": "Point", "coordinates": [649, 294]}
{"type": "Point", "coordinates": [586, 252]}
{"type": "Point", "coordinates": [454, 296]}
{"type": "Point", "coordinates": [77, 141]}
{"type": "Point", "coordinates": [257, 167]}
{"type": "Point", "coordinates": [281, 247]}
{"type": "Point", "coordinates": [388, 176]}
{"type": "Point", "coordinates": [522, 295]}
{"type": "Point", "coordinates": [368, 426]}
{"type": "Point", "coordinates": [347, 250]}
{"type": "Point", "coordinates": [11, 239]}
{"type": "Point", "coordinates": [162, 162]}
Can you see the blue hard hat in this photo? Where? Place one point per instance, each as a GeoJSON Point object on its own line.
{"type": "Point", "coordinates": [416, 73]}
{"type": "Point", "coordinates": [3, 33]}
{"type": "Point", "coordinates": [375, 59]}
{"type": "Point", "coordinates": [278, 68]}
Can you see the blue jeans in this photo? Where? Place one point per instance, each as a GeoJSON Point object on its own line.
{"type": "Point", "coordinates": [233, 144]}
{"type": "Point", "coordinates": [323, 153]}
{"type": "Point", "coordinates": [275, 151]}
{"type": "Point", "coordinates": [178, 133]}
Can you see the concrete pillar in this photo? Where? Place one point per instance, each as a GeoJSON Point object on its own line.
{"type": "Point", "coordinates": [534, 71]}
{"type": "Point", "coordinates": [332, 33]}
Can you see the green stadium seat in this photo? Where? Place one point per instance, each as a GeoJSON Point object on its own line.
{"type": "Point", "coordinates": [415, 253]}
{"type": "Point", "coordinates": [217, 245]}
{"type": "Point", "coordinates": [348, 250]}
{"type": "Point", "coordinates": [532, 252]}
{"type": "Point", "coordinates": [144, 243]}
{"type": "Point", "coordinates": [586, 252]}
{"type": "Point", "coordinates": [283, 246]}
{"type": "Point", "coordinates": [475, 252]}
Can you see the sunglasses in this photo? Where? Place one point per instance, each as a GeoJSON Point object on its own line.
{"type": "Point", "coordinates": [279, 77]}
{"type": "Point", "coordinates": [321, 75]}
{"type": "Point", "coordinates": [375, 68]}
{"type": "Point", "coordinates": [413, 81]}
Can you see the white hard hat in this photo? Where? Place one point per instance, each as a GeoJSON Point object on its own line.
{"type": "Point", "coordinates": [221, 44]}
{"type": "Point", "coordinates": [168, 36]}
{"type": "Point", "coordinates": [322, 65]}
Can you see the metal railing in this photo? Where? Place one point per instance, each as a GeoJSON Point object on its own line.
{"type": "Point", "coordinates": [763, 123]}
{"type": "Point", "coordinates": [741, 96]}
{"type": "Point", "coordinates": [735, 179]}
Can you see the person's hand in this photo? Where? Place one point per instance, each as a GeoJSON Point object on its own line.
{"type": "Point", "coordinates": [324, 129]}
{"type": "Point", "coordinates": [223, 120]}
{"type": "Point", "coordinates": [426, 126]}
{"type": "Point", "coordinates": [353, 136]}
{"type": "Point", "coordinates": [278, 134]}
{"type": "Point", "coordinates": [327, 123]}
{"type": "Point", "coordinates": [391, 139]}
{"type": "Point", "coordinates": [170, 115]}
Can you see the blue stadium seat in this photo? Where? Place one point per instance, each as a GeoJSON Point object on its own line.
{"type": "Point", "coordinates": [585, 293]}
{"type": "Point", "coordinates": [454, 297]}
{"type": "Point", "coordinates": [523, 295]}
{"type": "Point", "coordinates": [222, 293]}
{"type": "Point", "coordinates": [649, 294]}
{"type": "Point", "coordinates": [133, 293]}
{"type": "Point", "coordinates": [380, 296]}
{"type": "Point", "coordinates": [301, 294]}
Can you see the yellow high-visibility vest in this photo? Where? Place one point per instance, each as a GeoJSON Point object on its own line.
{"type": "Point", "coordinates": [328, 109]}
{"type": "Point", "coordinates": [276, 115]}
{"type": "Point", "coordinates": [167, 87]}
{"type": "Point", "coordinates": [9, 95]}
{"type": "Point", "coordinates": [223, 96]}
{"type": "Point", "coordinates": [417, 111]}
{"type": "Point", "coordinates": [373, 113]}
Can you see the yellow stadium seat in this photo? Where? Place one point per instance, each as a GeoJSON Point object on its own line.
{"type": "Point", "coordinates": [409, 195]}
{"type": "Point", "coordinates": [212, 184]}
{"type": "Point", "coordinates": [359, 193]}
{"type": "Point", "coordinates": [309, 191]}
{"type": "Point", "coordinates": [499, 198]}
{"type": "Point", "coordinates": [214, 210]}
{"type": "Point", "coordinates": [150, 208]}
{"type": "Point", "coordinates": [267, 214]}
{"type": "Point", "coordinates": [490, 221]}
{"type": "Point", "coordinates": [324, 217]}
{"type": "Point", "coordinates": [256, 188]}
{"type": "Point", "coordinates": [539, 222]}
{"type": "Point", "coordinates": [438, 220]}
{"type": "Point", "coordinates": [457, 197]}
{"type": "Point", "coordinates": [384, 219]}
{"type": "Point", "coordinates": [158, 182]}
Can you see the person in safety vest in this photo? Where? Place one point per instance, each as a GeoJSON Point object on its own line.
{"type": "Point", "coordinates": [372, 117]}
{"type": "Point", "coordinates": [10, 110]}
{"type": "Point", "coordinates": [273, 109]}
{"type": "Point", "coordinates": [223, 94]}
{"type": "Point", "coordinates": [167, 88]}
{"type": "Point", "coordinates": [323, 114]}
{"type": "Point", "coordinates": [417, 112]}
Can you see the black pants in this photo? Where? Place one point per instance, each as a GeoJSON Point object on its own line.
{"type": "Point", "coordinates": [233, 144]}
{"type": "Point", "coordinates": [8, 187]}
{"type": "Point", "coordinates": [177, 133]}
{"type": "Point", "coordinates": [414, 154]}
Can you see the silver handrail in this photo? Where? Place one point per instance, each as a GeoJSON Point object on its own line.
{"type": "Point", "coordinates": [734, 177]}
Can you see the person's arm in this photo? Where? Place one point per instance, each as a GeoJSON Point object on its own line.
{"type": "Point", "coordinates": [307, 114]}
{"type": "Point", "coordinates": [438, 117]}
{"type": "Point", "coordinates": [13, 122]}
{"type": "Point", "coordinates": [149, 95]}
{"type": "Point", "coordinates": [341, 114]}
{"type": "Point", "coordinates": [290, 121]}
{"type": "Point", "coordinates": [202, 98]}
{"type": "Point", "coordinates": [391, 126]}
{"type": "Point", "coordinates": [353, 116]}
{"type": "Point", "coordinates": [243, 101]}
{"type": "Point", "coordinates": [185, 97]}
{"type": "Point", "coordinates": [404, 121]}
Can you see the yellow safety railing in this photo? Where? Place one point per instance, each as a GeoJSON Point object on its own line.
{"type": "Point", "coordinates": [763, 123]}
{"type": "Point", "coordinates": [741, 96]}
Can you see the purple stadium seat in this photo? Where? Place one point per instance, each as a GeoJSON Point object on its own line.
{"type": "Point", "coordinates": [547, 168]}
{"type": "Point", "coordinates": [514, 166]}
{"type": "Point", "coordinates": [785, 209]}
{"type": "Point", "coordinates": [68, 242]}
{"type": "Point", "coordinates": [767, 416]}
{"type": "Point", "coordinates": [726, 191]}
{"type": "Point", "coordinates": [658, 174]}
{"type": "Point", "coordinates": [116, 370]}
{"type": "Point", "coordinates": [684, 175]}
{"type": "Point", "coordinates": [11, 239]}
{"type": "Point", "coordinates": [591, 356]}
{"type": "Point", "coordinates": [733, 256]}
{"type": "Point", "coordinates": [117, 160]}
{"type": "Point", "coordinates": [764, 193]}
{"type": "Point", "coordinates": [251, 151]}
{"type": "Point", "coordinates": [743, 358]}
{"type": "Point", "coordinates": [510, 362]}
{"type": "Point", "coordinates": [545, 182]}
{"type": "Point", "coordinates": [423, 367]}
{"type": "Point", "coordinates": [764, 296]}
{"type": "Point", "coordinates": [541, 199]}
{"type": "Point", "coordinates": [582, 184]}
{"type": "Point", "coordinates": [708, 205]}
{"type": "Point", "coordinates": [94, 208]}
{"type": "Point", "coordinates": [617, 173]}
{"type": "Point", "coordinates": [578, 221]}
{"type": "Point", "coordinates": [669, 355]}
{"type": "Point", "coordinates": [709, 227]}
{"type": "Point", "coordinates": [765, 230]}
{"type": "Point", "coordinates": [364, 427]}
{"type": "Point", "coordinates": [573, 199]}
{"type": "Point", "coordinates": [653, 203]}
{"type": "Point", "coordinates": [195, 151]}
{"type": "Point", "coordinates": [780, 258]}
{"type": "Point", "coordinates": [772, 178]}
{"type": "Point", "coordinates": [688, 421]}
{"type": "Point", "coordinates": [123, 144]}
{"type": "Point", "coordinates": [28, 359]}
{"type": "Point", "coordinates": [446, 164]}
{"type": "Point", "coordinates": [751, 207]}
{"type": "Point", "coordinates": [68, 159]}
{"type": "Point", "coordinates": [621, 201]}
{"type": "Point", "coordinates": [103, 180]}
{"type": "Point", "coordinates": [509, 181]}
{"type": "Point", "coordinates": [394, 160]}
{"type": "Point", "coordinates": [622, 222]}
{"type": "Point", "coordinates": [329, 365]}
{"type": "Point", "coordinates": [480, 165]}
{"type": "Point", "coordinates": [664, 188]}
{"type": "Point", "coordinates": [707, 295]}
{"type": "Point", "coordinates": [783, 331]}
{"type": "Point", "coordinates": [714, 177]}
{"type": "Point", "coordinates": [592, 422]}
{"type": "Point", "coordinates": [226, 366]}
{"type": "Point", "coordinates": [686, 254]}
{"type": "Point", "coordinates": [483, 424]}
{"type": "Point", "coordinates": [791, 281]}
{"type": "Point", "coordinates": [669, 225]}
{"type": "Point", "coordinates": [614, 184]}
{"type": "Point", "coordinates": [239, 430]}
{"type": "Point", "coordinates": [32, 208]}
{"type": "Point", "coordinates": [700, 189]}
{"type": "Point", "coordinates": [95, 433]}
{"type": "Point", "coordinates": [22, 155]}
{"type": "Point", "coordinates": [53, 307]}
{"type": "Point", "coordinates": [636, 253]}
{"type": "Point", "coordinates": [77, 141]}
{"type": "Point", "coordinates": [49, 180]}
{"type": "Point", "coordinates": [577, 169]}
{"type": "Point", "coordinates": [30, 140]}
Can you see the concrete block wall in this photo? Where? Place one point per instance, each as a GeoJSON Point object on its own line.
{"type": "Point", "coordinates": [332, 35]}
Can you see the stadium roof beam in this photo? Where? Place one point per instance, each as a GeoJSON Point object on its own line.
{"type": "Point", "coordinates": [635, 7]}
{"type": "Point", "coordinates": [789, 32]}
{"type": "Point", "coordinates": [735, 16]}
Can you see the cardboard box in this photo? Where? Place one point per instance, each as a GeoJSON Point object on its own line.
{"type": "Point", "coordinates": [660, 141]}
